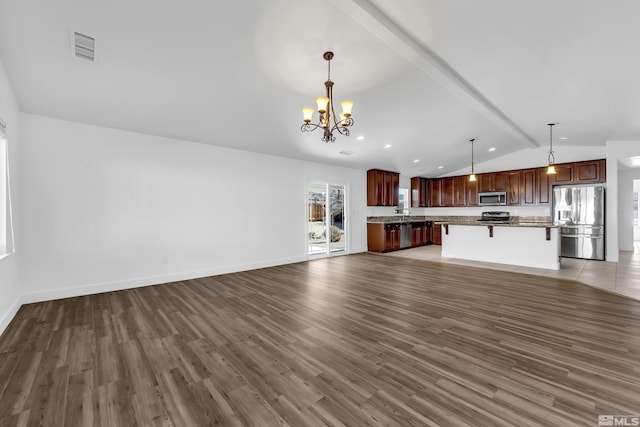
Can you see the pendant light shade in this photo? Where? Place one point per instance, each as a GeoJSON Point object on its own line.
{"type": "Point", "coordinates": [551, 169]}
{"type": "Point", "coordinates": [472, 177]}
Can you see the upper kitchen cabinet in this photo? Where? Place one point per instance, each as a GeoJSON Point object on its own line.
{"type": "Point", "coordinates": [472, 193]}
{"type": "Point", "coordinates": [593, 171]}
{"type": "Point", "coordinates": [513, 188]}
{"type": "Point", "coordinates": [382, 188]}
{"type": "Point", "coordinates": [543, 186]}
{"type": "Point", "coordinates": [459, 190]}
{"type": "Point", "coordinates": [535, 187]}
{"type": "Point", "coordinates": [496, 181]}
{"type": "Point", "coordinates": [419, 192]}
{"type": "Point", "coordinates": [580, 172]}
{"type": "Point", "coordinates": [435, 193]}
{"type": "Point", "coordinates": [447, 192]}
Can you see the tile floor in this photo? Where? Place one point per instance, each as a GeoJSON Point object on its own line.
{"type": "Point", "coordinates": [622, 278]}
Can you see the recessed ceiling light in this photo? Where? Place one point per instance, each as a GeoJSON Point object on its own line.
{"type": "Point", "coordinates": [635, 160]}
{"type": "Point", "coordinates": [416, 160]}
{"type": "Point", "coordinates": [388, 146]}
{"type": "Point", "coordinates": [360, 138]}
{"type": "Point", "coordinates": [440, 167]}
{"type": "Point", "coordinates": [563, 137]}
{"type": "Point", "coordinates": [492, 149]}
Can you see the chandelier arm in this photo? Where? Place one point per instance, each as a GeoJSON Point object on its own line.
{"type": "Point", "coordinates": [340, 129]}
{"type": "Point", "coordinates": [310, 127]}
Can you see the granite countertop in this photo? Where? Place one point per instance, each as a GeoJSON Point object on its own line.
{"type": "Point", "coordinates": [523, 221]}
{"type": "Point", "coordinates": [512, 223]}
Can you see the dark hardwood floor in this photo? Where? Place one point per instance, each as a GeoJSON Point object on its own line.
{"type": "Point", "coordinates": [354, 340]}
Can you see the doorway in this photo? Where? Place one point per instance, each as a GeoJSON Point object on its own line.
{"type": "Point", "coordinates": [636, 214]}
{"type": "Point", "coordinates": [326, 217]}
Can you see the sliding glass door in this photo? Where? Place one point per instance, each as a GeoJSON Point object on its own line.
{"type": "Point", "coordinates": [326, 218]}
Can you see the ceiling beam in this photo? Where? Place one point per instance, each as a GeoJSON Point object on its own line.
{"type": "Point", "coordinates": [380, 25]}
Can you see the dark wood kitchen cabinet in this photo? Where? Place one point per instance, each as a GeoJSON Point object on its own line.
{"type": "Point", "coordinates": [447, 192]}
{"type": "Point", "coordinates": [528, 187]}
{"type": "Point", "coordinates": [592, 171]}
{"type": "Point", "coordinates": [472, 193]}
{"type": "Point", "coordinates": [419, 192]}
{"type": "Point", "coordinates": [543, 186]}
{"type": "Point", "coordinates": [420, 234]}
{"type": "Point", "coordinates": [382, 188]}
{"type": "Point", "coordinates": [453, 191]}
{"type": "Point", "coordinates": [524, 187]}
{"type": "Point", "coordinates": [459, 190]}
{"type": "Point", "coordinates": [436, 234]}
{"type": "Point", "coordinates": [496, 181]}
{"type": "Point", "coordinates": [435, 193]}
{"type": "Point", "coordinates": [564, 174]}
{"type": "Point", "coordinates": [535, 187]}
{"type": "Point", "coordinates": [513, 188]}
{"type": "Point", "coordinates": [383, 237]}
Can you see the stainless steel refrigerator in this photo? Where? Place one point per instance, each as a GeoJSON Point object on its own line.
{"type": "Point", "coordinates": [579, 211]}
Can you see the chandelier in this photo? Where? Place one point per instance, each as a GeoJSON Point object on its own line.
{"type": "Point", "coordinates": [328, 121]}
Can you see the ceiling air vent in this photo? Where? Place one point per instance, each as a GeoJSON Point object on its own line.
{"type": "Point", "coordinates": [346, 152]}
{"type": "Point", "coordinates": [85, 46]}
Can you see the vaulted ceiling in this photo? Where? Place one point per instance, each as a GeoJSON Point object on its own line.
{"type": "Point", "coordinates": [425, 75]}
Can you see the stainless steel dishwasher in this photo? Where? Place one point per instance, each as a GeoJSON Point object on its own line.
{"type": "Point", "coordinates": [405, 235]}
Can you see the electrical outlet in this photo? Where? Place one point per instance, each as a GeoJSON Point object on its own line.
{"type": "Point", "coordinates": [546, 210]}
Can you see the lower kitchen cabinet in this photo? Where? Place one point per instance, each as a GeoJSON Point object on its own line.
{"type": "Point", "coordinates": [383, 237]}
{"type": "Point", "coordinates": [420, 234]}
{"type": "Point", "coordinates": [388, 237]}
{"type": "Point", "coordinates": [436, 234]}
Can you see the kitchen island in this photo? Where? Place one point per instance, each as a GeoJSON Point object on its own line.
{"type": "Point", "coordinates": [535, 244]}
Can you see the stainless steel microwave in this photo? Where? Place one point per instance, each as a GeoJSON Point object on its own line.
{"type": "Point", "coordinates": [494, 198]}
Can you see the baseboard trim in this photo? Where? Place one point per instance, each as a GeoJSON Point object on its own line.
{"type": "Point", "coordinates": [8, 316]}
{"type": "Point", "coordinates": [96, 288]}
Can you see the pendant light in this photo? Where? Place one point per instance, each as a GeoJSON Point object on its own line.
{"type": "Point", "coordinates": [472, 177]}
{"type": "Point", "coordinates": [551, 169]}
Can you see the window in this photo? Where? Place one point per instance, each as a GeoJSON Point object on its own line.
{"type": "Point", "coordinates": [6, 223]}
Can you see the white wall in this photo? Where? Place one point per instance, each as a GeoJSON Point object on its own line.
{"type": "Point", "coordinates": [9, 292]}
{"type": "Point", "coordinates": [103, 208]}
{"type": "Point", "coordinates": [616, 150]}
{"type": "Point", "coordinates": [625, 207]}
